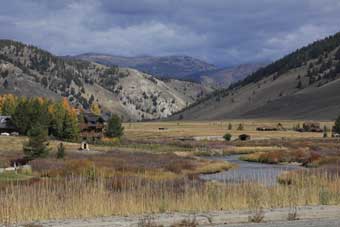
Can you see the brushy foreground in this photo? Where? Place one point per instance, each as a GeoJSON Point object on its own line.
{"type": "Point", "coordinates": [79, 197]}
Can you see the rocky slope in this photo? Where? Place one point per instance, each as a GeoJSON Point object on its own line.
{"type": "Point", "coordinates": [302, 85]}
{"type": "Point", "coordinates": [177, 67]}
{"type": "Point", "coordinates": [28, 71]}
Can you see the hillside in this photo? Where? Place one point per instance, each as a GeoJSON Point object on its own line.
{"type": "Point", "coordinates": [224, 77]}
{"type": "Point", "coordinates": [177, 67]}
{"type": "Point", "coordinates": [28, 71]}
{"type": "Point", "coordinates": [303, 85]}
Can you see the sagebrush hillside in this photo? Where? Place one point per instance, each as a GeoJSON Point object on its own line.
{"type": "Point", "coordinates": [29, 71]}
{"type": "Point", "coordinates": [304, 84]}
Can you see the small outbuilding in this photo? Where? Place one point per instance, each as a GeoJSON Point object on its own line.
{"type": "Point", "coordinates": [84, 146]}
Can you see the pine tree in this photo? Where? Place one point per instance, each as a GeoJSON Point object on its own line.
{"type": "Point", "coordinates": [337, 125]}
{"type": "Point", "coordinates": [61, 151]}
{"type": "Point", "coordinates": [325, 132]}
{"type": "Point", "coordinates": [70, 127]}
{"type": "Point", "coordinates": [114, 127]}
{"type": "Point", "coordinates": [37, 146]}
{"type": "Point", "coordinates": [230, 126]}
{"type": "Point", "coordinates": [20, 118]}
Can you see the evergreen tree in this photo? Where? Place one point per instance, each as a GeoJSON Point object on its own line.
{"type": "Point", "coordinates": [114, 127]}
{"type": "Point", "coordinates": [230, 126]}
{"type": "Point", "coordinates": [37, 146]}
{"type": "Point", "coordinates": [337, 125]}
{"type": "Point", "coordinates": [20, 118]}
{"type": "Point", "coordinates": [61, 151]}
{"type": "Point", "coordinates": [227, 137]}
{"type": "Point", "coordinates": [325, 132]}
{"type": "Point", "coordinates": [240, 127]}
{"type": "Point", "coordinates": [70, 127]}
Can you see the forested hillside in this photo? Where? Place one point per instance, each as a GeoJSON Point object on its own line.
{"type": "Point", "coordinates": [303, 84]}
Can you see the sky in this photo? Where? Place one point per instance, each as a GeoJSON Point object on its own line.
{"type": "Point", "coordinates": [222, 32]}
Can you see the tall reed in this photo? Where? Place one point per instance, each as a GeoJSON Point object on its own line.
{"type": "Point", "coordinates": [78, 197]}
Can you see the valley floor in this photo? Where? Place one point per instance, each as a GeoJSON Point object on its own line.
{"type": "Point", "coordinates": [156, 169]}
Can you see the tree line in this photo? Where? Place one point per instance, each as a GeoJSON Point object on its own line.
{"type": "Point", "coordinates": [57, 118]}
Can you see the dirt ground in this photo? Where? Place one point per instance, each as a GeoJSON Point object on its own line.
{"type": "Point", "coordinates": [305, 216]}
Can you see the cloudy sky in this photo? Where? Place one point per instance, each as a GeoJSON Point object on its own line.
{"type": "Point", "coordinates": [224, 32]}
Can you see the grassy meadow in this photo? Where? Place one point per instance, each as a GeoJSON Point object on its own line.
{"type": "Point", "coordinates": [155, 168]}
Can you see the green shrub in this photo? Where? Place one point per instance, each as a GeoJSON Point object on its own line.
{"type": "Point", "coordinates": [37, 145]}
{"type": "Point", "coordinates": [227, 137]}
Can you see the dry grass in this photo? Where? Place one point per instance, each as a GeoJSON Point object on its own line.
{"type": "Point", "coordinates": [79, 197]}
{"type": "Point", "coordinates": [275, 157]}
{"type": "Point", "coordinates": [152, 165]}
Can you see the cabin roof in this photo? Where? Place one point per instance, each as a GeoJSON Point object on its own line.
{"type": "Point", "coordinates": [92, 119]}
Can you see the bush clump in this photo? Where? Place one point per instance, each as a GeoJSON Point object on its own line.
{"type": "Point", "coordinates": [227, 137]}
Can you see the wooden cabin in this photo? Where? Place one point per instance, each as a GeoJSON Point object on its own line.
{"type": "Point", "coordinates": [91, 127]}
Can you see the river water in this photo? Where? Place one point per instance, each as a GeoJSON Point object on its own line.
{"type": "Point", "coordinates": [249, 171]}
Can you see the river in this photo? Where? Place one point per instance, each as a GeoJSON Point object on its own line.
{"type": "Point", "coordinates": [249, 171]}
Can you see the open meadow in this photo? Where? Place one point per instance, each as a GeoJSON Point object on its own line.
{"type": "Point", "coordinates": [156, 168]}
{"type": "Point", "coordinates": [177, 129]}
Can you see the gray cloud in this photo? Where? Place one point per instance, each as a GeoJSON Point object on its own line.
{"type": "Point", "coordinates": [223, 32]}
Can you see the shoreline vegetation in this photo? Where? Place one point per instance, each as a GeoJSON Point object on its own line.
{"type": "Point", "coordinates": [121, 194]}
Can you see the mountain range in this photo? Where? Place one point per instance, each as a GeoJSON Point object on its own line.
{"type": "Point", "coordinates": [176, 67]}
{"type": "Point", "coordinates": [26, 70]}
{"type": "Point", "coordinates": [302, 85]}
